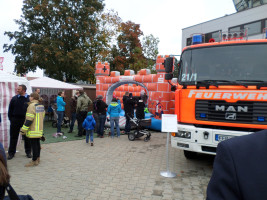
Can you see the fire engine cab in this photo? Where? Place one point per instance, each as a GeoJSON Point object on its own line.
{"type": "Point", "coordinates": [221, 91]}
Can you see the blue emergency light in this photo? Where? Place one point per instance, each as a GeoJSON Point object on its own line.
{"type": "Point", "coordinates": [203, 115]}
{"type": "Point", "coordinates": [261, 119]}
{"type": "Point", "coordinates": [197, 39]}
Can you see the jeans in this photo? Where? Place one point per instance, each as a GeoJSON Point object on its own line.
{"type": "Point", "coordinates": [95, 115]}
{"type": "Point", "coordinates": [15, 125]}
{"type": "Point", "coordinates": [80, 118]}
{"type": "Point", "coordinates": [116, 120]}
{"type": "Point", "coordinates": [73, 119]}
{"type": "Point", "coordinates": [60, 115]}
{"type": "Point", "coordinates": [91, 133]}
{"type": "Point", "coordinates": [101, 120]}
{"type": "Point", "coordinates": [36, 148]}
{"type": "Point", "coordinates": [127, 125]}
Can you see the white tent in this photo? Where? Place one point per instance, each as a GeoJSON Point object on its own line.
{"type": "Point", "coordinates": [45, 82]}
{"type": "Point", "coordinates": [8, 87]}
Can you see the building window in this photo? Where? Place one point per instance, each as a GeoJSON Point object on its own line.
{"type": "Point", "coordinates": [234, 29]}
{"type": "Point", "coordinates": [214, 35]}
{"type": "Point", "coordinates": [265, 25]}
{"type": "Point", "coordinates": [188, 41]}
{"type": "Point", "coordinates": [253, 28]}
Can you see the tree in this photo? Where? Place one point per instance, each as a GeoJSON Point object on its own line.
{"type": "Point", "coordinates": [129, 54]}
{"type": "Point", "coordinates": [150, 50]}
{"type": "Point", "coordinates": [98, 47]}
{"type": "Point", "coordinates": [55, 35]}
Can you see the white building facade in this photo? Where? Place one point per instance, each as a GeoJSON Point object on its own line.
{"type": "Point", "coordinates": [254, 20]}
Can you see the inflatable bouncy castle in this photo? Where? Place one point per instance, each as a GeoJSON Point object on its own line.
{"type": "Point", "coordinates": [160, 98]}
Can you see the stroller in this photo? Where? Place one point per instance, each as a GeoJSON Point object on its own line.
{"type": "Point", "coordinates": [65, 121]}
{"type": "Point", "coordinates": [140, 130]}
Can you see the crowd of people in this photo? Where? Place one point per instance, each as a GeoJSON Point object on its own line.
{"type": "Point", "coordinates": [26, 114]}
{"type": "Point", "coordinates": [235, 175]}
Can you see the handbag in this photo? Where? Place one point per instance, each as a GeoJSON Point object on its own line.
{"type": "Point", "coordinates": [12, 195]}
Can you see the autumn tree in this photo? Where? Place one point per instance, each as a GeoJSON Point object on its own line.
{"type": "Point", "coordinates": [57, 36]}
{"type": "Point", "coordinates": [129, 54]}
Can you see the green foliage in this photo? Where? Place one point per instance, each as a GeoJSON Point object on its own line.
{"type": "Point", "coordinates": [55, 35]}
{"type": "Point", "coordinates": [150, 49]}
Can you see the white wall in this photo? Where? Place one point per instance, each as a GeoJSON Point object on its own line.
{"type": "Point", "coordinates": [225, 22]}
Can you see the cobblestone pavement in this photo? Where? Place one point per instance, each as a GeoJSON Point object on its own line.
{"type": "Point", "coordinates": [112, 169]}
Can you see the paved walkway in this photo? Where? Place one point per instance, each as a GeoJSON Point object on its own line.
{"type": "Point", "coordinates": [112, 169]}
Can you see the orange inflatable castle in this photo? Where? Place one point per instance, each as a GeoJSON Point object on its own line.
{"type": "Point", "coordinates": [160, 98]}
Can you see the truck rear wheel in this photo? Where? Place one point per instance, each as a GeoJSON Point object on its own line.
{"type": "Point", "coordinates": [190, 154]}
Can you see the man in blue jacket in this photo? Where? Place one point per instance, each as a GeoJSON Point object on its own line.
{"type": "Point", "coordinates": [60, 111]}
{"type": "Point", "coordinates": [240, 169]}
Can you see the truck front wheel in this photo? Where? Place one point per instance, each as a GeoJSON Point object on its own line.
{"type": "Point", "coordinates": [190, 154]}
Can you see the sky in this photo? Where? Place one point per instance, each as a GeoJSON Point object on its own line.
{"type": "Point", "coordinates": [163, 19]}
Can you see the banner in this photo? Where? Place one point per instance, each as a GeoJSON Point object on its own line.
{"type": "Point", "coordinates": [1, 63]}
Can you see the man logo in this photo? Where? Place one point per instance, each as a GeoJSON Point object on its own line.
{"type": "Point", "coordinates": [231, 108]}
{"type": "Point", "coordinates": [230, 116]}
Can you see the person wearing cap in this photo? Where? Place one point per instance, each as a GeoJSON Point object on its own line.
{"type": "Point", "coordinates": [114, 110]}
{"type": "Point", "coordinates": [102, 112]}
{"type": "Point", "coordinates": [83, 103]}
{"type": "Point", "coordinates": [89, 125]}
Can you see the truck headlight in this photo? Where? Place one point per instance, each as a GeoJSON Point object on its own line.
{"type": "Point", "coordinates": [184, 134]}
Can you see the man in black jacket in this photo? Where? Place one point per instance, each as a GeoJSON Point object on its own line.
{"type": "Point", "coordinates": [16, 114]}
{"type": "Point", "coordinates": [102, 114]}
{"type": "Point", "coordinates": [129, 112]}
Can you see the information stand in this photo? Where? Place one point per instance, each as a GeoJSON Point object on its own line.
{"type": "Point", "coordinates": [169, 124]}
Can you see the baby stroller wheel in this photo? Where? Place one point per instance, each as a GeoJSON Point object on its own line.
{"type": "Point", "coordinates": [131, 136]}
{"type": "Point", "coordinates": [146, 139]}
{"type": "Point", "coordinates": [54, 124]}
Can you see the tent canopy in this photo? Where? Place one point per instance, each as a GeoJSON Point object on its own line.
{"type": "Point", "coordinates": [7, 77]}
{"type": "Point", "coordinates": [8, 88]}
{"type": "Point", "coordinates": [45, 82]}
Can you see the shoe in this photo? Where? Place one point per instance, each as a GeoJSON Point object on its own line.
{"type": "Point", "coordinates": [10, 157]}
{"type": "Point", "coordinates": [29, 155]}
{"type": "Point", "coordinates": [92, 144]}
{"type": "Point", "coordinates": [32, 163]}
{"type": "Point", "coordinates": [69, 131]}
{"type": "Point", "coordinates": [78, 136]}
{"type": "Point", "coordinates": [55, 135]}
{"type": "Point", "coordinates": [101, 136]}
{"type": "Point", "coordinates": [60, 134]}
{"type": "Point", "coordinates": [38, 160]}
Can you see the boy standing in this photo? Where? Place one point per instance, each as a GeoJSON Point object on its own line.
{"type": "Point", "coordinates": [89, 126]}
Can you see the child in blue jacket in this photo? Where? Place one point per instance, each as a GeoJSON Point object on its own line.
{"type": "Point", "coordinates": [89, 126]}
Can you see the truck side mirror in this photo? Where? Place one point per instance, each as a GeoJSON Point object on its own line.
{"type": "Point", "coordinates": [168, 77]}
{"type": "Point", "coordinates": [168, 64]}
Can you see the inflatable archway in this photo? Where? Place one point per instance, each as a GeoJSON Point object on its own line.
{"type": "Point", "coordinates": [114, 86]}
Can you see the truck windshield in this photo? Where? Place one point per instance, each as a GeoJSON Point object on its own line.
{"type": "Point", "coordinates": [244, 63]}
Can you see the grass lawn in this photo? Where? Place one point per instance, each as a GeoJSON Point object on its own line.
{"type": "Point", "coordinates": [49, 131]}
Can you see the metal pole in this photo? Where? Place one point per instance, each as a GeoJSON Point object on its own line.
{"type": "Point", "coordinates": [167, 152]}
{"type": "Point", "coordinates": [167, 173]}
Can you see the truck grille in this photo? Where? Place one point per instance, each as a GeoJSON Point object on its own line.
{"type": "Point", "coordinates": [247, 112]}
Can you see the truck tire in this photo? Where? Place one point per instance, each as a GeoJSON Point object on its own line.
{"type": "Point", "coordinates": [190, 154]}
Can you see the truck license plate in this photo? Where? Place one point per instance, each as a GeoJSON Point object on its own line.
{"type": "Point", "coordinates": [220, 138]}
